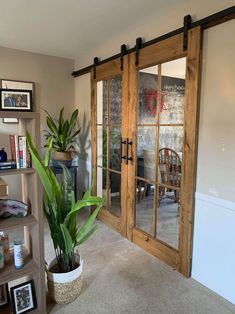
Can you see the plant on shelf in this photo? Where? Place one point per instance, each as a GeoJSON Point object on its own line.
{"type": "Point", "coordinates": [61, 212]}
{"type": "Point", "coordinates": [63, 133]}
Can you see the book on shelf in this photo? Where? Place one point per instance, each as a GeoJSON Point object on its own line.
{"type": "Point", "coordinates": [19, 151]}
{"type": "Point", "coordinates": [8, 165]}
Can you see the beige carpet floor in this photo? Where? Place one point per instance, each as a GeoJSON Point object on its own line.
{"type": "Point", "coordinates": [120, 277]}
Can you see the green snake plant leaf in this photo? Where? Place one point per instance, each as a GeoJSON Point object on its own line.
{"type": "Point", "coordinates": [52, 126]}
{"type": "Point", "coordinates": [88, 224]}
{"type": "Point", "coordinates": [61, 119]}
{"type": "Point", "coordinates": [66, 191]}
{"type": "Point", "coordinates": [48, 152]}
{"type": "Point", "coordinates": [73, 121]}
{"type": "Point", "coordinates": [41, 169]}
{"type": "Point", "coordinates": [67, 240]}
{"type": "Point", "coordinates": [86, 236]}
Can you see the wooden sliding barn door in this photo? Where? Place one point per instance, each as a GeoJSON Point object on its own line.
{"type": "Point", "coordinates": [109, 95]}
{"type": "Point", "coordinates": [144, 139]}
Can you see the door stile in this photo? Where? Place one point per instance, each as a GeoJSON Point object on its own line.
{"type": "Point", "coordinates": [131, 185]}
{"type": "Point", "coordinates": [192, 107]}
{"type": "Point", "coordinates": [125, 134]}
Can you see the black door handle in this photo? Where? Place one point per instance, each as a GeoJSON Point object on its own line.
{"type": "Point", "coordinates": [123, 141]}
{"type": "Point", "coordinates": [128, 142]}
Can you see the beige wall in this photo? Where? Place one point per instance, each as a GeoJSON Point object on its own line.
{"type": "Point", "coordinates": [54, 88]}
{"type": "Point", "coordinates": [216, 151]}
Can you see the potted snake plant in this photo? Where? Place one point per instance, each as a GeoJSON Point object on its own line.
{"type": "Point", "coordinates": [61, 210]}
{"type": "Point", "coordinates": [63, 133]}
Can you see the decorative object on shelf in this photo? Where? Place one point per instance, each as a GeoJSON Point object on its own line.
{"type": "Point", "coordinates": [10, 120]}
{"type": "Point", "coordinates": [16, 100]}
{"type": "Point", "coordinates": [63, 134]}
{"type": "Point", "coordinates": [10, 207]}
{"type": "Point", "coordinates": [18, 254]}
{"type": "Point", "coordinates": [6, 247]}
{"type": "Point", "coordinates": [3, 155]}
{"type": "Point", "coordinates": [23, 297]}
{"type": "Point", "coordinates": [4, 295]}
{"type": "Point", "coordinates": [61, 211]}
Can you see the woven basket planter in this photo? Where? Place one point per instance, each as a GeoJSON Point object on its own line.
{"type": "Point", "coordinates": [64, 287]}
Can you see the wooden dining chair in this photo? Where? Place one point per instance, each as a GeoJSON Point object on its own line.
{"type": "Point", "coordinates": [170, 171]}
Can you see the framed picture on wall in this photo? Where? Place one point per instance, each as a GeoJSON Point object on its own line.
{"type": "Point", "coordinates": [15, 100]}
{"type": "Point", "coordinates": [23, 298]}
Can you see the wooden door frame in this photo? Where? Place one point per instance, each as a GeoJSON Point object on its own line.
{"type": "Point", "coordinates": [102, 72]}
{"type": "Point", "coordinates": [167, 50]}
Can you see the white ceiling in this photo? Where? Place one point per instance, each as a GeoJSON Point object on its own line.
{"type": "Point", "coordinates": [70, 28]}
{"type": "Point", "coordinates": [78, 28]}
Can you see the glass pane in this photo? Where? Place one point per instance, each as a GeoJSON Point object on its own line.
{"type": "Point", "coordinates": [172, 91]}
{"type": "Point", "coordinates": [171, 137]}
{"type": "Point", "coordinates": [115, 94]}
{"type": "Point", "coordinates": [147, 111]}
{"type": "Point", "coordinates": [170, 155]}
{"type": "Point", "coordinates": [145, 206]}
{"type": "Point", "coordinates": [102, 114]}
{"type": "Point", "coordinates": [168, 216]}
{"type": "Point", "coordinates": [115, 148]}
{"type": "Point", "coordinates": [101, 184]}
{"type": "Point", "coordinates": [115, 194]}
{"type": "Point", "coordinates": [146, 137]}
{"type": "Point", "coordinates": [101, 146]}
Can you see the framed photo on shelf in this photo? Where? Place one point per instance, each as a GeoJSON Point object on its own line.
{"type": "Point", "coordinates": [15, 100]}
{"type": "Point", "coordinates": [4, 295]}
{"type": "Point", "coordinates": [23, 298]}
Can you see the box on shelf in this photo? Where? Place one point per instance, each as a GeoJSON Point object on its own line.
{"type": "Point", "coordinates": [3, 188]}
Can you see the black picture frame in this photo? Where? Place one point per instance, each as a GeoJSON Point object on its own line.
{"type": "Point", "coordinates": [16, 100]}
{"type": "Point", "coordinates": [23, 297]}
{"type": "Point", "coordinates": [4, 295]}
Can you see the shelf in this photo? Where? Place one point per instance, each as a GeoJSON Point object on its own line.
{"type": "Point", "coordinates": [19, 115]}
{"type": "Point", "coordinates": [10, 273]}
{"type": "Point", "coordinates": [9, 172]}
{"type": "Point", "coordinates": [15, 222]}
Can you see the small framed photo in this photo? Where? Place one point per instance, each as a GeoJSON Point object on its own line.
{"type": "Point", "coordinates": [21, 85]}
{"type": "Point", "coordinates": [23, 298]}
{"type": "Point", "coordinates": [10, 120]}
{"type": "Point", "coordinates": [4, 295]}
{"type": "Point", "coordinates": [16, 100]}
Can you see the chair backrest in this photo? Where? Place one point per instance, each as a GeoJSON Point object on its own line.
{"type": "Point", "coordinates": [170, 167]}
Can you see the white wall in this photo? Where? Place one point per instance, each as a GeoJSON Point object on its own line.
{"type": "Point", "coordinates": [54, 88]}
{"type": "Point", "coordinates": [214, 233]}
{"type": "Point", "coordinates": [213, 258]}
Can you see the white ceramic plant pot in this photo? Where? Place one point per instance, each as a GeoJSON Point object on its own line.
{"type": "Point", "coordinates": [64, 287]}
